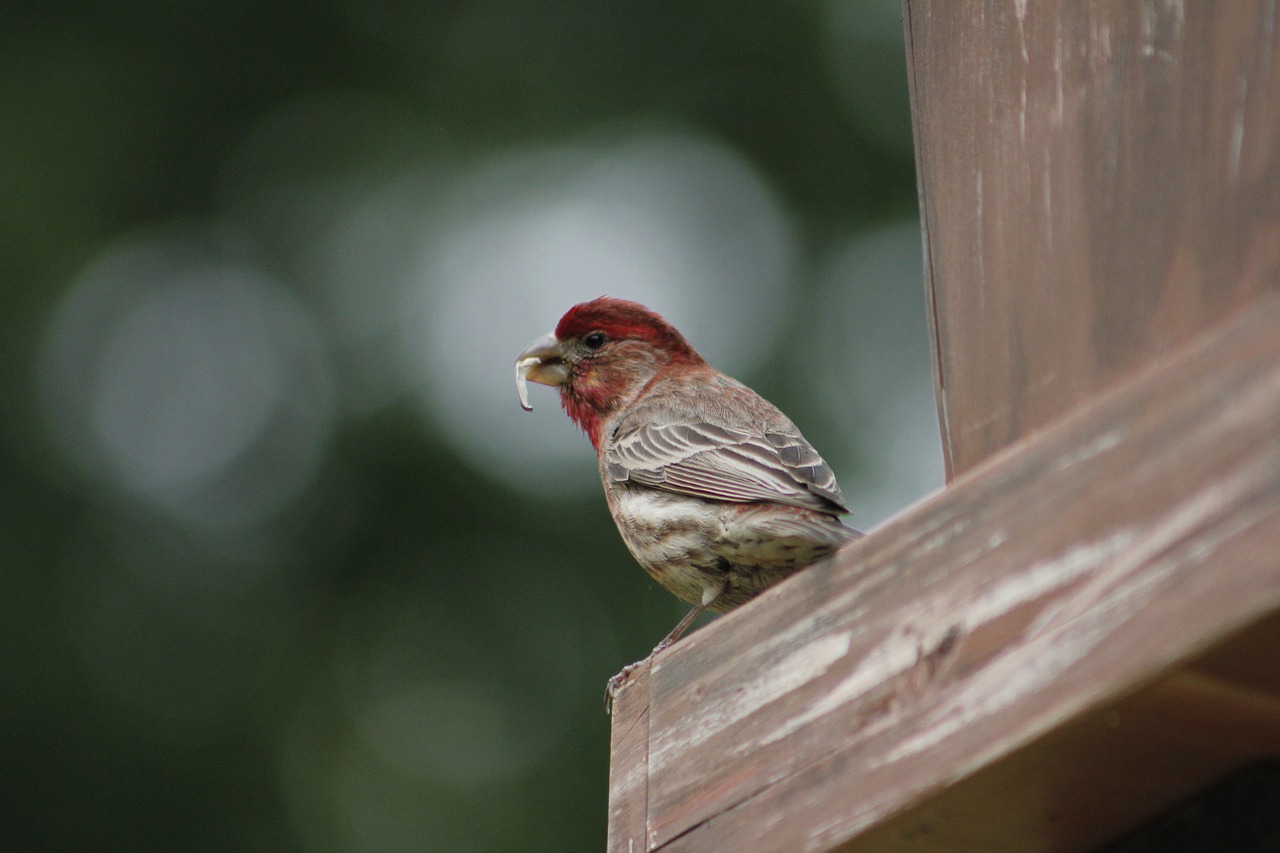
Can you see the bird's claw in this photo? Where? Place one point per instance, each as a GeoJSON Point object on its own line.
{"type": "Point", "coordinates": [618, 682]}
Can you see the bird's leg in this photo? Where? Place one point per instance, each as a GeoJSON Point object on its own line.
{"type": "Point", "coordinates": [678, 631]}
{"type": "Point", "coordinates": [709, 595]}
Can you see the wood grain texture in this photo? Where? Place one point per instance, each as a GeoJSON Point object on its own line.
{"type": "Point", "coordinates": [1099, 182]}
{"type": "Point", "coordinates": [963, 649]}
{"type": "Point", "coordinates": [629, 766]}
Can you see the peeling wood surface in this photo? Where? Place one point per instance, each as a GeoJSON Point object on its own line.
{"type": "Point", "coordinates": [629, 768]}
{"type": "Point", "coordinates": [972, 643]}
{"type": "Point", "coordinates": [1099, 182]}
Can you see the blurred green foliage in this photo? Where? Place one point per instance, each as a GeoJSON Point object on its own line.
{"type": "Point", "coordinates": [412, 655]}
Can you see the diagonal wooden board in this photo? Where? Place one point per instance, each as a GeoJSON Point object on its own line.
{"type": "Point", "coordinates": [995, 640]}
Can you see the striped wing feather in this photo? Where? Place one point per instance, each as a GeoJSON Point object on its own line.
{"type": "Point", "coordinates": [692, 456]}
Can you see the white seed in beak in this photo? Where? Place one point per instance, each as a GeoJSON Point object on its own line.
{"type": "Point", "coordinates": [523, 366]}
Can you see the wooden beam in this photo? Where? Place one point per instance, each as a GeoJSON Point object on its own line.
{"type": "Point", "coordinates": [1014, 634]}
{"type": "Point", "coordinates": [629, 768]}
{"type": "Point", "coordinates": [1099, 182]}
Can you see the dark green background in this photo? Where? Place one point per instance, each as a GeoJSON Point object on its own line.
{"type": "Point", "coordinates": [411, 654]}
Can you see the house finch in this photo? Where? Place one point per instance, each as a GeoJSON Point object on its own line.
{"type": "Point", "coordinates": [715, 492]}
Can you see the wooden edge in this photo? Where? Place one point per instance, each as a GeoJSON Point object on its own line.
{"type": "Point", "coordinates": [629, 766]}
{"type": "Point", "coordinates": [922, 205]}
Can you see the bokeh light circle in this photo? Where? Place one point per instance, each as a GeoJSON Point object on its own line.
{"type": "Point", "coordinates": [180, 374]}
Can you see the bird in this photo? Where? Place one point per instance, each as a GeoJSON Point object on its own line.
{"type": "Point", "coordinates": [714, 491]}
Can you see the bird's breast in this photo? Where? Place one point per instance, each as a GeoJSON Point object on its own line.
{"type": "Point", "coordinates": [687, 543]}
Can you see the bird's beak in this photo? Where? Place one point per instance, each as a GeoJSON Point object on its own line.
{"type": "Point", "coordinates": [542, 361]}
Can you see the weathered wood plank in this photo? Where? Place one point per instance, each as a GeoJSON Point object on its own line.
{"type": "Point", "coordinates": [629, 767]}
{"type": "Point", "coordinates": [1099, 182]}
{"type": "Point", "coordinates": [1046, 584]}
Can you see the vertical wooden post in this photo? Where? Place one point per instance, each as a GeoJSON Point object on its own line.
{"type": "Point", "coordinates": [1100, 182]}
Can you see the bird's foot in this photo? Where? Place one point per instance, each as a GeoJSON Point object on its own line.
{"type": "Point", "coordinates": [620, 680]}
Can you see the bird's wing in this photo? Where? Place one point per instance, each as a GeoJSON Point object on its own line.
{"type": "Point", "coordinates": [693, 456]}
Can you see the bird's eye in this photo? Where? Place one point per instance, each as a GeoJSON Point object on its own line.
{"type": "Point", "coordinates": [595, 340]}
